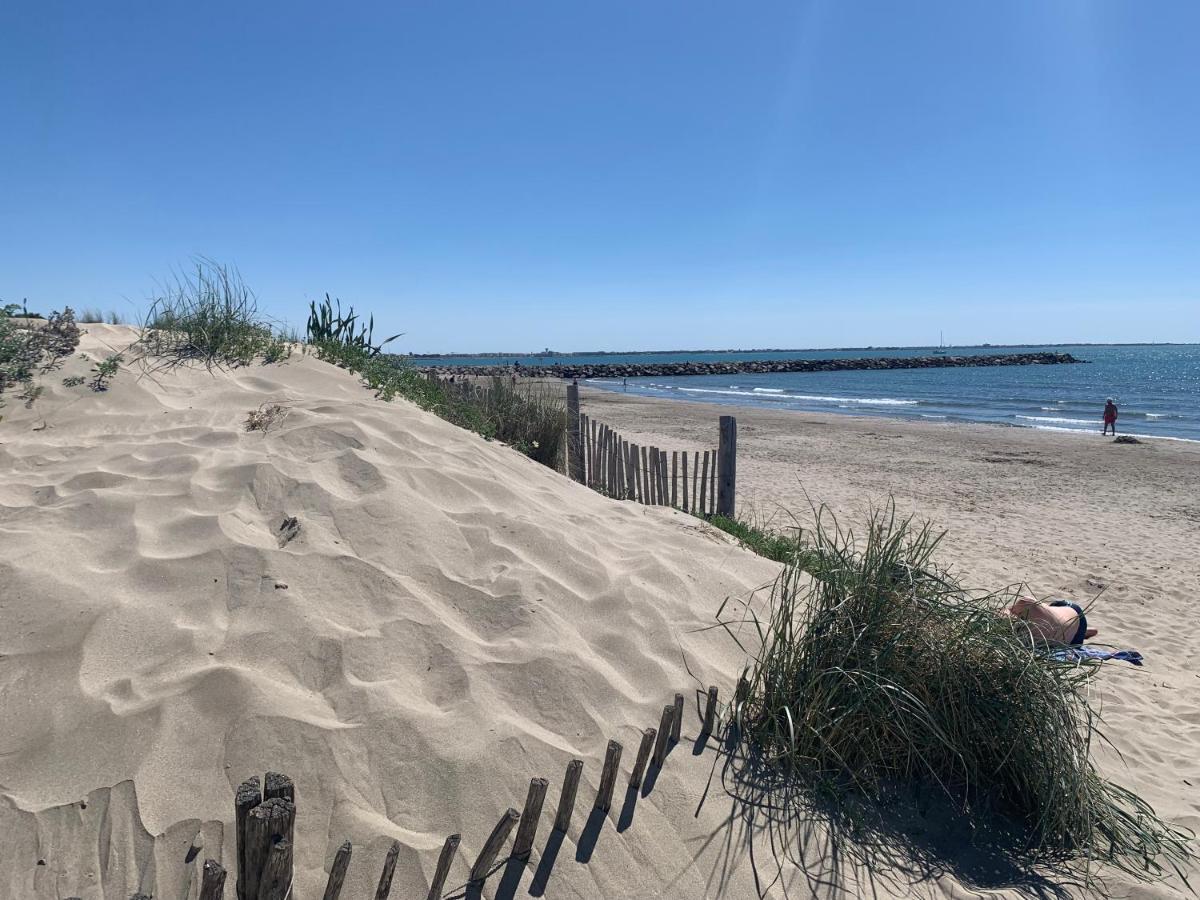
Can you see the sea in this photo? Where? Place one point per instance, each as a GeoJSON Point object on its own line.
{"type": "Point", "coordinates": [1156, 387]}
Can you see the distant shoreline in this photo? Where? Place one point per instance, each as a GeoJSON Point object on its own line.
{"type": "Point", "coordinates": [554, 354]}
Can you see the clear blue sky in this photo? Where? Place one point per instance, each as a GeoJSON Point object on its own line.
{"type": "Point", "coordinates": [618, 175]}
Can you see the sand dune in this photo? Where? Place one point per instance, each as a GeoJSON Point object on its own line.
{"type": "Point", "coordinates": [456, 619]}
{"type": "Point", "coordinates": [451, 620]}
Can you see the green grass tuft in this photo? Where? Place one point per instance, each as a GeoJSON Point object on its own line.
{"type": "Point", "coordinates": [210, 316]}
{"type": "Point", "coordinates": [879, 670]}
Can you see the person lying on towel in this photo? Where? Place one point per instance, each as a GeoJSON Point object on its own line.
{"type": "Point", "coordinates": [1054, 622]}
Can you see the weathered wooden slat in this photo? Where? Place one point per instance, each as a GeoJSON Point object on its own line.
{"type": "Point", "coordinates": [212, 881]}
{"type": "Point", "coordinates": [677, 721]}
{"type": "Point", "coordinates": [491, 848]}
{"type": "Point", "coordinates": [566, 803]}
{"type": "Point", "coordinates": [710, 711]}
{"type": "Point", "coordinates": [675, 478]}
{"type": "Point", "coordinates": [337, 872]}
{"type": "Point", "coordinates": [654, 476]}
{"type": "Point", "coordinates": [267, 824]}
{"type": "Point", "coordinates": [276, 881]}
{"type": "Point", "coordinates": [446, 857]}
{"type": "Point", "coordinates": [389, 870]}
{"type": "Point", "coordinates": [608, 778]}
{"type": "Point", "coordinates": [686, 508]}
{"type": "Point", "coordinates": [646, 478]}
{"type": "Point", "coordinates": [575, 462]}
{"type": "Point", "coordinates": [643, 756]}
{"type": "Point", "coordinates": [247, 797]}
{"type": "Point", "coordinates": [704, 487]}
{"type": "Point", "coordinates": [523, 843]}
{"type": "Point", "coordinates": [696, 484]}
{"type": "Point", "coordinates": [712, 487]}
{"type": "Point", "coordinates": [664, 474]}
{"type": "Point", "coordinates": [664, 734]}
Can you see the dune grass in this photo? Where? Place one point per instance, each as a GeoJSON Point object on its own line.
{"type": "Point", "coordinates": [210, 316]}
{"type": "Point", "coordinates": [92, 315]}
{"type": "Point", "coordinates": [874, 668]}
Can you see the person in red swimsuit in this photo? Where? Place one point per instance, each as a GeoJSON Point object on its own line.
{"type": "Point", "coordinates": [1110, 416]}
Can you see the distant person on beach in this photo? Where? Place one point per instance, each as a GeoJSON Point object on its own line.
{"type": "Point", "coordinates": [1110, 416]}
{"type": "Point", "coordinates": [1056, 622]}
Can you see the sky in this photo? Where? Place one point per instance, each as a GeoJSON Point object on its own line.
{"type": "Point", "coordinates": [624, 176]}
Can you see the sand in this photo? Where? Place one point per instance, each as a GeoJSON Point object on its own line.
{"type": "Point", "coordinates": [1112, 525]}
{"type": "Point", "coordinates": [453, 619]}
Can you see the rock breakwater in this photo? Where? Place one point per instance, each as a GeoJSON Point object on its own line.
{"type": "Point", "coordinates": [763, 366]}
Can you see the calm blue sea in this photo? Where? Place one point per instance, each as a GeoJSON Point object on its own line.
{"type": "Point", "coordinates": [1157, 388]}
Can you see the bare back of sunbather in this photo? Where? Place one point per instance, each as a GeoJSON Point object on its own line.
{"type": "Point", "coordinates": [1048, 624]}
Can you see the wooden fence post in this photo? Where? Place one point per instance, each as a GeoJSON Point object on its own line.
{"type": "Point", "coordinates": [212, 887]}
{"type": "Point", "coordinates": [574, 444]}
{"type": "Point", "coordinates": [664, 496]}
{"type": "Point", "coordinates": [389, 869]}
{"type": "Point", "coordinates": [664, 734]}
{"type": "Point", "coordinates": [710, 711]}
{"type": "Point", "coordinates": [727, 467]}
{"type": "Point", "coordinates": [248, 796]}
{"type": "Point", "coordinates": [643, 756]}
{"type": "Point", "coordinates": [675, 478]}
{"type": "Point", "coordinates": [443, 867]}
{"type": "Point", "coordinates": [677, 722]}
{"type": "Point", "coordinates": [523, 844]}
{"type": "Point", "coordinates": [566, 803]}
{"type": "Point", "coordinates": [704, 487]}
{"type": "Point", "coordinates": [645, 476]}
{"type": "Point", "coordinates": [608, 778]}
{"type": "Point", "coordinates": [491, 848]}
{"type": "Point", "coordinates": [337, 872]}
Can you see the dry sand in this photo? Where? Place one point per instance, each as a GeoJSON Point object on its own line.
{"type": "Point", "coordinates": [458, 619]}
{"type": "Point", "coordinates": [1075, 516]}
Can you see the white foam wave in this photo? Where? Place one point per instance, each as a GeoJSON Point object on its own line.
{"type": "Point", "coordinates": [769, 393]}
{"type": "Point", "coordinates": [1058, 420]}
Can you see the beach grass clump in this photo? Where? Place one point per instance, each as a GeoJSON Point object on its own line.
{"type": "Point", "coordinates": [874, 669]}
{"type": "Point", "coordinates": [210, 316]}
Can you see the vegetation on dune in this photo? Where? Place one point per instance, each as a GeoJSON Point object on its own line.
{"type": "Point", "coordinates": [26, 351]}
{"type": "Point", "coordinates": [871, 668]}
{"type": "Point", "coordinates": [529, 418]}
{"type": "Point", "coordinates": [92, 315]}
{"type": "Point", "coordinates": [210, 316]}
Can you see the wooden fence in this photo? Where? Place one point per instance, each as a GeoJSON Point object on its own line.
{"type": "Point", "coordinates": [265, 818]}
{"type": "Point", "coordinates": [605, 461]}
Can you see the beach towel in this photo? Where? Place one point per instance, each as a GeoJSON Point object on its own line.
{"type": "Point", "coordinates": [1083, 654]}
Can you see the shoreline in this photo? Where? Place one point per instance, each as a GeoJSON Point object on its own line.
{"type": "Point", "coordinates": [933, 420]}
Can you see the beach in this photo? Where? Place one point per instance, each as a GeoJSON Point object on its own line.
{"type": "Point", "coordinates": [446, 619]}
{"type": "Point", "coordinates": [1116, 526]}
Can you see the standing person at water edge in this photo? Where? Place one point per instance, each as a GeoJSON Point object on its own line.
{"type": "Point", "coordinates": [1110, 416]}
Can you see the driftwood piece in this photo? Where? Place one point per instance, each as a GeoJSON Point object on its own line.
{"type": "Point", "coordinates": [443, 864]}
{"type": "Point", "coordinates": [523, 843]}
{"type": "Point", "coordinates": [337, 872]}
{"type": "Point", "coordinates": [664, 734]}
{"type": "Point", "coordinates": [566, 803]}
{"type": "Point", "coordinates": [212, 881]}
{"type": "Point", "coordinates": [248, 796]}
{"type": "Point", "coordinates": [389, 869]}
{"type": "Point", "coordinates": [608, 778]}
{"type": "Point", "coordinates": [643, 756]}
{"type": "Point", "coordinates": [491, 848]}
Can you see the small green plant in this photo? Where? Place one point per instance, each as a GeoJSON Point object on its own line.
{"type": "Point", "coordinates": [325, 327]}
{"type": "Point", "coordinates": [28, 348]}
{"type": "Point", "coordinates": [73, 381]}
{"type": "Point", "coordinates": [105, 370]}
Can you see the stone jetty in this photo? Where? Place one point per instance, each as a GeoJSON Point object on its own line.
{"type": "Point", "coordinates": [762, 366]}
